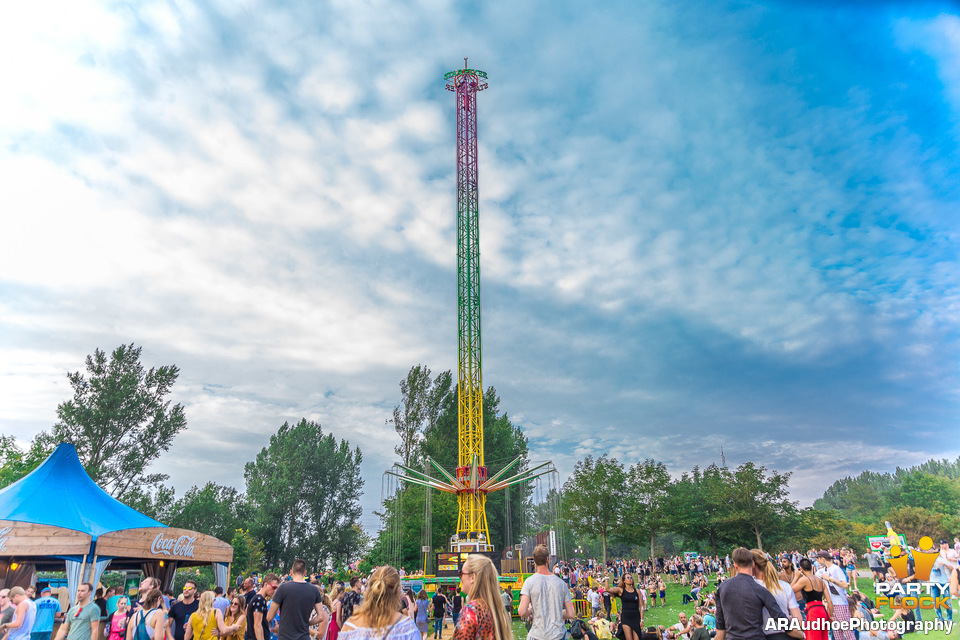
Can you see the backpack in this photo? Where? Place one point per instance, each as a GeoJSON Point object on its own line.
{"type": "Point", "coordinates": [576, 629]}
{"type": "Point", "coordinates": [140, 632]}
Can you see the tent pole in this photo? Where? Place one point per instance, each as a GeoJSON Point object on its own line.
{"type": "Point", "coordinates": [93, 570]}
{"type": "Point", "coordinates": [83, 567]}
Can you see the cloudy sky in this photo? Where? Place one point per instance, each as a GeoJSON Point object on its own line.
{"type": "Point", "coordinates": [703, 224]}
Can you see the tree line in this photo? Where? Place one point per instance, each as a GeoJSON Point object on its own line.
{"type": "Point", "coordinates": [302, 491]}
{"type": "Point", "coordinates": [921, 500]}
{"type": "Point", "coordinates": [640, 509]}
{"type": "Point", "coordinates": [301, 495]}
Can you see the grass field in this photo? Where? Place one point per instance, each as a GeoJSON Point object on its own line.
{"type": "Point", "coordinates": [667, 615]}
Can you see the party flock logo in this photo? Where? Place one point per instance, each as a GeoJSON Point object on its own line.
{"type": "Point", "coordinates": [919, 592]}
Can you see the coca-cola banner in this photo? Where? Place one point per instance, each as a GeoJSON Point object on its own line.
{"type": "Point", "coordinates": [164, 543]}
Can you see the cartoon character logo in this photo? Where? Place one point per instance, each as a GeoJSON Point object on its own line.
{"type": "Point", "coordinates": [922, 562]}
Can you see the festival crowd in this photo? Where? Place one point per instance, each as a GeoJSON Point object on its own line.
{"type": "Point", "coordinates": [746, 595]}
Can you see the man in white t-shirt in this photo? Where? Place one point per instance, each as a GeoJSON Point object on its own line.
{"type": "Point", "coordinates": [682, 629]}
{"type": "Point", "coordinates": [837, 585]}
{"type": "Point", "coordinates": [942, 569]}
{"type": "Point", "coordinates": [594, 599]}
{"type": "Point", "coordinates": [545, 599]}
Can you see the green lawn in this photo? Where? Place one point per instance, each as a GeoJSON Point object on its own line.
{"type": "Point", "coordinates": [667, 615]}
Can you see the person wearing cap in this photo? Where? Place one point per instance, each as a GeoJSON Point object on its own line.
{"type": "Point", "coordinates": [48, 608]}
{"type": "Point", "coordinates": [837, 584]}
{"type": "Point", "coordinates": [940, 574]}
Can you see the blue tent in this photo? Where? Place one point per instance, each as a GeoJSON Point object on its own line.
{"type": "Point", "coordinates": [58, 515]}
{"type": "Point", "coordinates": [61, 494]}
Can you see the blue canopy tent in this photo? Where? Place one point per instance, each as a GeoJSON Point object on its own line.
{"type": "Point", "coordinates": [57, 516]}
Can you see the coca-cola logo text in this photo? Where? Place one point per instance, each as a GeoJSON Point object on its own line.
{"type": "Point", "coordinates": [182, 546]}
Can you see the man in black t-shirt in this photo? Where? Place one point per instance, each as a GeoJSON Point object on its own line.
{"type": "Point", "coordinates": [439, 610]}
{"type": "Point", "coordinates": [258, 628]}
{"type": "Point", "coordinates": [457, 604]}
{"type": "Point", "coordinates": [248, 590]}
{"type": "Point", "coordinates": [180, 611]}
{"type": "Point", "coordinates": [300, 605]}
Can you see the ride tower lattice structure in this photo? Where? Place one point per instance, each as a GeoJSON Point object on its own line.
{"type": "Point", "coordinates": [469, 481]}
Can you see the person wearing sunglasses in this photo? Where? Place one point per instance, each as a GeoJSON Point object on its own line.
{"type": "Point", "coordinates": [236, 615]}
{"type": "Point", "coordinates": [484, 617]}
{"type": "Point", "coordinates": [631, 607]}
{"type": "Point", "coordinates": [181, 610]}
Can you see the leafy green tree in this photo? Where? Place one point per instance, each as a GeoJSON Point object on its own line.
{"type": "Point", "coordinates": [410, 416]}
{"type": "Point", "coordinates": [591, 502]}
{"type": "Point", "coordinates": [927, 491]}
{"type": "Point", "coordinates": [699, 506]}
{"type": "Point", "coordinates": [759, 501]}
{"type": "Point", "coordinates": [304, 491]}
{"type": "Point", "coordinates": [156, 502]}
{"type": "Point", "coordinates": [215, 510]}
{"type": "Point", "coordinates": [916, 522]}
{"type": "Point", "coordinates": [645, 510]}
{"type": "Point", "coordinates": [15, 463]}
{"type": "Point", "coordinates": [118, 419]}
{"type": "Point", "coordinates": [247, 554]}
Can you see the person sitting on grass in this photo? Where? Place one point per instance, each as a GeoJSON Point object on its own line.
{"type": "Point", "coordinates": [902, 613]}
{"type": "Point", "coordinates": [699, 631]}
{"type": "Point", "coordinates": [601, 626]}
{"type": "Point", "coordinates": [682, 629]}
{"type": "Point", "coordinates": [651, 633]}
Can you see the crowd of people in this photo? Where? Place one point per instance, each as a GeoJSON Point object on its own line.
{"type": "Point", "coordinates": [729, 598]}
{"type": "Point", "coordinates": [821, 584]}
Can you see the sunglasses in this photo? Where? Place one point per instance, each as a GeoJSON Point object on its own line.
{"type": "Point", "coordinates": [464, 573]}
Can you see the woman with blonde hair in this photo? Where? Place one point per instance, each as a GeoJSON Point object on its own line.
{"type": "Point", "coordinates": [484, 617]}
{"type": "Point", "coordinates": [336, 604]}
{"type": "Point", "coordinates": [766, 575]}
{"type": "Point", "coordinates": [379, 617]}
{"type": "Point", "coordinates": [206, 623]}
{"type": "Point", "coordinates": [116, 626]}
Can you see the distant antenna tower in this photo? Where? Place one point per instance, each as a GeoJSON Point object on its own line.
{"type": "Point", "coordinates": [723, 458]}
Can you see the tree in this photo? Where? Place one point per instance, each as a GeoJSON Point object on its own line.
{"type": "Point", "coordinates": [760, 501]}
{"type": "Point", "coordinates": [410, 416]}
{"type": "Point", "coordinates": [247, 554]}
{"type": "Point", "coordinates": [118, 419]}
{"type": "Point", "coordinates": [15, 462]}
{"type": "Point", "coordinates": [156, 502]}
{"type": "Point", "coordinates": [927, 491]}
{"type": "Point", "coordinates": [699, 506]}
{"type": "Point", "coordinates": [592, 504]}
{"type": "Point", "coordinates": [215, 510]}
{"type": "Point", "coordinates": [645, 511]}
{"type": "Point", "coordinates": [304, 491]}
{"type": "Point", "coordinates": [915, 522]}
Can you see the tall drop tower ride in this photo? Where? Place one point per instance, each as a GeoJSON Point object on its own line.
{"type": "Point", "coordinates": [466, 83]}
{"type": "Point", "coordinates": [470, 481]}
